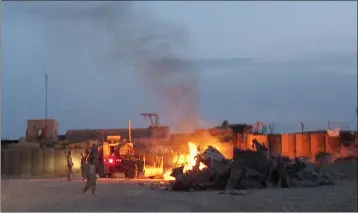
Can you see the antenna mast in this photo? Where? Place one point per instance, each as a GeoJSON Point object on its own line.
{"type": "Point", "coordinates": [46, 96]}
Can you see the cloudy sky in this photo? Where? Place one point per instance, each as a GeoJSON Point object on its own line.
{"type": "Point", "coordinates": [279, 62]}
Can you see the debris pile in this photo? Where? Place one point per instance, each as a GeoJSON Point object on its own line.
{"type": "Point", "coordinates": [249, 169]}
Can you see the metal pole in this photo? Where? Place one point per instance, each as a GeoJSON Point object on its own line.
{"type": "Point", "coordinates": [302, 127]}
{"type": "Point", "coordinates": [129, 131]}
{"type": "Point", "coordinates": [46, 98]}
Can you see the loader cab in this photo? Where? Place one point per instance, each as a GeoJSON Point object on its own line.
{"type": "Point", "coordinates": [111, 150]}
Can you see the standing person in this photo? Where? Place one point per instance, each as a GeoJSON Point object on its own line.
{"type": "Point", "coordinates": [90, 172]}
{"type": "Point", "coordinates": [83, 163]}
{"type": "Point", "coordinates": [94, 156]}
{"type": "Point", "coordinates": [69, 165]}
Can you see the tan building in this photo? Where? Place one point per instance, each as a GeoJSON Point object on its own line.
{"type": "Point", "coordinates": [42, 130]}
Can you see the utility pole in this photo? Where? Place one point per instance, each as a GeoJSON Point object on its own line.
{"type": "Point", "coordinates": [46, 79]}
{"type": "Point", "coordinates": [302, 127]}
{"type": "Point", "coordinates": [329, 124]}
{"type": "Point", "coordinates": [129, 131]}
{"type": "Point", "coordinates": [154, 123]}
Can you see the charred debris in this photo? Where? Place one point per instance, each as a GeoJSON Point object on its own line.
{"type": "Point", "coordinates": [249, 169]}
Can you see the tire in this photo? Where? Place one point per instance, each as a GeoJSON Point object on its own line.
{"type": "Point", "coordinates": [133, 172]}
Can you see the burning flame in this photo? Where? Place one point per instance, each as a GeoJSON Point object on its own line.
{"type": "Point", "coordinates": [187, 160]}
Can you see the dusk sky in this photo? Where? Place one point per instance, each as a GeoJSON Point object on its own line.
{"type": "Point", "coordinates": [279, 62]}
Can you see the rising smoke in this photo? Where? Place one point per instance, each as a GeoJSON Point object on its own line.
{"type": "Point", "coordinates": [136, 36]}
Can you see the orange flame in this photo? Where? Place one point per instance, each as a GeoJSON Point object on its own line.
{"type": "Point", "coordinates": [187, 160]}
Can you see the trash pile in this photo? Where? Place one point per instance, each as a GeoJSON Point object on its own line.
{"type": "Point", "coordinates": [249, 169]}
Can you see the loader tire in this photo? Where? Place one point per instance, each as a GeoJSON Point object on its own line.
{"type": "Point", "coordinates": [133, 172]}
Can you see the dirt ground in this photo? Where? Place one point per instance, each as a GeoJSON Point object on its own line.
{"type": "Point", "coordinates": [122, 195]}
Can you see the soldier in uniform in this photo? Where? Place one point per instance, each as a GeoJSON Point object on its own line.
{"type": "Point", "coordinates": [83, 163]}
{"type": "Point", "coordinates": [90, 173]}
{"type": "Point", "coordinates": [93, 154]}
{"type": "Point", "coordinates": [93, 157]}
{"type": "Point", "coordinates": [69, 165]}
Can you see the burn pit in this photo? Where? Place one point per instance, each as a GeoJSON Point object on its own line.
{"type": "Point", "coordinates": [244, 169]}
{"type": "Point", "coordinates": [197, 147]}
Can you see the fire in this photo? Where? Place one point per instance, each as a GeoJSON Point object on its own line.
{"type": "Point", "coordinates": [187, 160]}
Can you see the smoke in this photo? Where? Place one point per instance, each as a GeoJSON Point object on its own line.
{"type": "Point", "coordinates": [134, 36]}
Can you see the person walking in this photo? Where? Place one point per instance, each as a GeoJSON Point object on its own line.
{"type": "Point", "coordinates": [91, 177]}
{"type": "Point", "coordinates": [69, 165]}
{"type": "Point", "coordinates": [83, 164]}
{"type": "Point", "coordinates": [93, 157]}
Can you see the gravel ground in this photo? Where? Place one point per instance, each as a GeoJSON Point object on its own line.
{"type": "Point", "coordinates": [121, 195]}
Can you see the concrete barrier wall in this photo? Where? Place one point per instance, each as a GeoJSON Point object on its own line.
{"type": "Point", "coordinates": [76, 158]}
{"type": "Point", "coordinates": [8, 164]}
{"type": "Point", "coordinates": [275, 145]}
{"type": "Point", "coordinates": [4, 163]}
{"type": "Point", "coordinates": [239, 141]}
{"type": "Point", "coordinates": [317, 143]}
{"type": "Point", "coordinates": [60, 162]}
{"type": "Point", "coordinates": [333, 144]}
{"type": "Point", "coordinates": [15, 166]}
{"type": "Point", "coordinates": [303, 145]}
{"type": "Point", "coordinates": [25, 163]}
{"type": "Point", "coordinates": [292, 145]}
{"type": "Point", "coordinates": [37, 162]}
{"type": "Point", "coordinates": [48, 162]}
{"type": "Point", "coordinates": [288, 142]}
{"type": "Point", "coordinates": [11, 164]}
{"type": "Point", "coordinates": [262, 139]}
{"type": "Point", "coordinates": [244, 142]}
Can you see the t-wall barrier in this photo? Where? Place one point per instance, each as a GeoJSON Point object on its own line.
{"type": "Point", "coordinates": [317, 143]}
{"type": "Point", "coordinates": [303, 145]}
{"type": "Point", "coordinates": [275, 145]}
{"type": "Point", "coordinates": [332, 144]}
{"type": "Point", "coordinates": [262, 139]}
{"type": "Point", "coordinates": [288, 142]}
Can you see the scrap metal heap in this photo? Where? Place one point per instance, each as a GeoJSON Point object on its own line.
{"type": "Point", "coordinates": [249, 169]}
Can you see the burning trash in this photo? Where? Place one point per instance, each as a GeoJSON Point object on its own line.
{"type": "Point", "coordinates": [248, 169]}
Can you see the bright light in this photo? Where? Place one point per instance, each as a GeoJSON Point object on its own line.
{"type": "Point", "coordinates": [110, 160]}
{"type": "Point", "coordinates": [188, 160]}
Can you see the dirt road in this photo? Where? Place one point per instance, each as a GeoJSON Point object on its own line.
{"type": "Point", "coordinates": [114, 195]}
